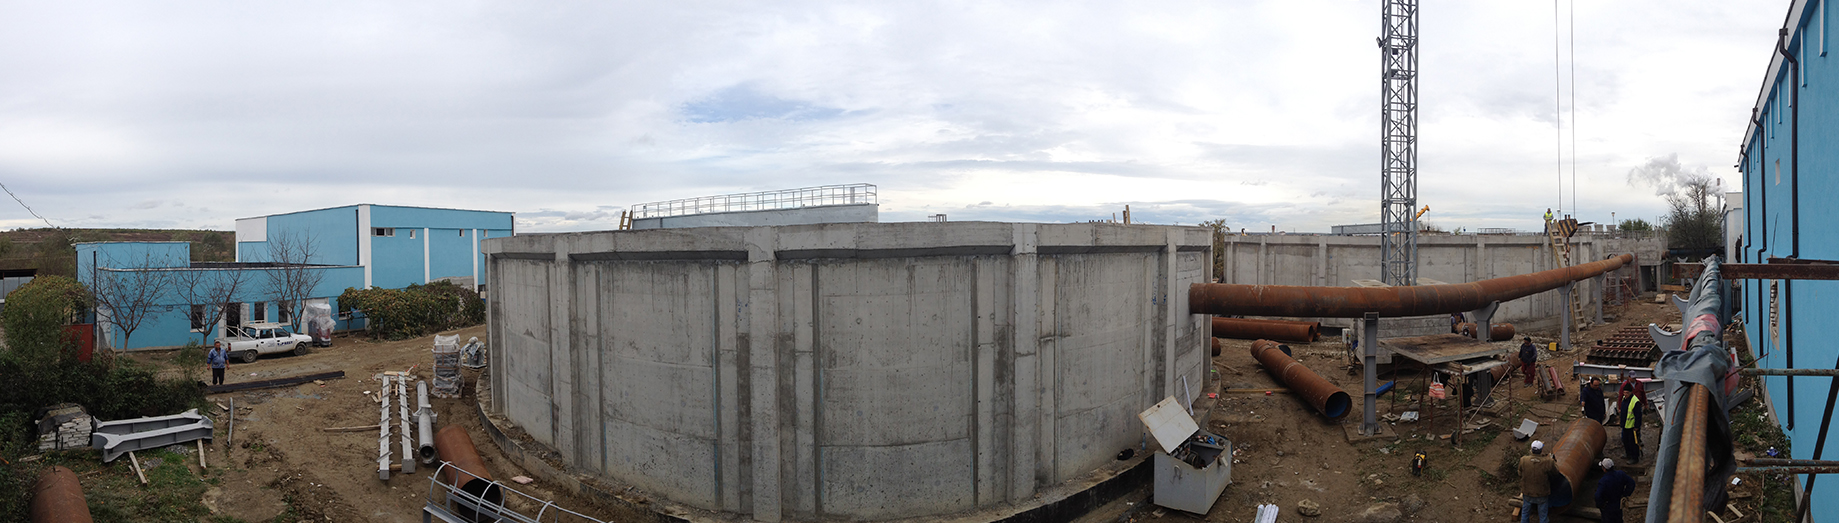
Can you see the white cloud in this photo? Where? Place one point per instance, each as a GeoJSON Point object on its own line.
{"type": "Point", "coordinates": [1262, 112]}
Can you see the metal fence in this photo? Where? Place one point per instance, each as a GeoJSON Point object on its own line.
{"type": "Point", "coordinates": [850, 194]}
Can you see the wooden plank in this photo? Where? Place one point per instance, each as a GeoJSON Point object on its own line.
{"type": "Point", "coordinates": [277, 382]}
{"type": "Point", "coordinates": [137, 473]}
{"type": "Point", "coordinates": [360, 428]}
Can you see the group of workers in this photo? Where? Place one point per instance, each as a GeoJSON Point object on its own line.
{"type": "Point", "coordinates": [1537, 467]}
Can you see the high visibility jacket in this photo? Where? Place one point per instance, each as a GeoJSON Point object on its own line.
{"type": "Point", "coordinates": [1632, 412]}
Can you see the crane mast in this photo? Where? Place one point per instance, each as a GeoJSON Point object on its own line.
{"type": "Point", "coordinates": [1398, 51]}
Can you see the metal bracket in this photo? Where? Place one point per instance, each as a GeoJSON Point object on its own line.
{"type": "Point", "coordinates": [1483, 318]}
{"type": "Point", "coordinates": [1666, 340]}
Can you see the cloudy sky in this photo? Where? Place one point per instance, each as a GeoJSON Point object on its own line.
{"type": "Point", "coordinates": [1260, 112]}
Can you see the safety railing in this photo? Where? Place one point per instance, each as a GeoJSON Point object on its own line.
{"type": "Point", "coordinates": [850, 194]}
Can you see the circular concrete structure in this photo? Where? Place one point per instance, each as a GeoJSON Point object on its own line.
{"type": "Point", "coordinates": [844, 371]}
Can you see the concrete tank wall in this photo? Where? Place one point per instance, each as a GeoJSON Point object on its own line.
{"type": "Point", "coordinates": [858, 371]}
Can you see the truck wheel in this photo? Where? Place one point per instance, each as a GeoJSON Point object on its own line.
{"type": "Point", "coordinates": [300, 349]}
{"type": "Point", "coordinates": [247, 356]}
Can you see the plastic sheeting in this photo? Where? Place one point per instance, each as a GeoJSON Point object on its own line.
{"type": "Point", "coordinates": [317, 321]}
{"type": "Point", "coordinates": [1703, 360]}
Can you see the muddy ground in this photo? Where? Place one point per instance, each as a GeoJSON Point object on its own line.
{"type": "Point", "coordinates": [280, 461]}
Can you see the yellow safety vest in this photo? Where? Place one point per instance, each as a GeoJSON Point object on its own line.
{"type": "Point", "coordinates": [1628, 418]}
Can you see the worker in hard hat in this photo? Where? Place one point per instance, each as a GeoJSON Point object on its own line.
{"type": "Point", "coordinates": [1610, 490]}
{"type": "Point", "coordinates": [1535, 483]}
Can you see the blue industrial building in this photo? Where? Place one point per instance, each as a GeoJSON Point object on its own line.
{"type": "Point", "coordinates": [1794, 128]}
{"type": "Point", "coordinates": [355, 246]}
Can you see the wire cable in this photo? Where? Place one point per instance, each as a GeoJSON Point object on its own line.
{"type": "Point", "coordinates": [1558, 102]}
{"type": "Point", "coordinates": [1573, 32]}
{"type": "Point", "coordinates": [22, 203]}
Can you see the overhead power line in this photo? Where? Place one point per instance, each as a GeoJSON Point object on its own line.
{"type": "Point", "coordinates": [22, 203]}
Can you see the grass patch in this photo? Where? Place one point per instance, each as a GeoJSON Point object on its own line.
{"type": "Point", "coordinates": [173, 491]}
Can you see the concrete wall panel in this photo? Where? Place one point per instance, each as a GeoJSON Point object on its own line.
{"type": "Point", "coordinates": [854, 371]}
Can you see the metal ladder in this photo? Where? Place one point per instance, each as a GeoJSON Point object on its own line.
{"type": "Point", "coordinates": [1559, 233]}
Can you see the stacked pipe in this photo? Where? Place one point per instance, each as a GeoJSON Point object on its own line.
{"type": "Point", "coordinates": [1576, 454]}
{"type": "Point", "coordinates": [1327, 399]}
{"type": "Point", "coordinates": [58, 498]}
{"type": "Point", "coordinates": [425, 419]}
{"type": "Point", "coordinates": [1496, 331]}
{"type": "Point", "coordinates": [1390, 302]}
{"type": "Point", "coordinates": [1280, 330]}
{"type": "Point", "coordinates": [464, 468]}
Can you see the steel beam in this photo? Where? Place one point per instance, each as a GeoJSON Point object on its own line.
{"type": "Point", "coordinates": [1391, 302]}
{"type": "Point", "coordinates": [1774, 271]}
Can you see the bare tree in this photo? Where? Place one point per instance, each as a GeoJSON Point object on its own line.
{"type": "Point", "coordinates": [293, 280]}
{"type": "Point", "coordinates": [126, 297]}
{"type": "Point", "coordinates": [1695, 220]}
{"type": "Point", "coordinates": [208, 292]}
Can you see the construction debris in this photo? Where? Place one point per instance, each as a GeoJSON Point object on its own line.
{"type": "Point", "coordinates": [447, 366]}
{"type": "Point", "coordinates": [126, 436]}
{"type": "Point", "coordinates": [65, 426]}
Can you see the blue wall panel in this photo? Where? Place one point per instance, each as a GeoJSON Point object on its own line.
{"type": "Point", "coordinates": [1770, 182]}
{"type": "Point", "coordinates": [450, 252]}
{"type": "Point", "coordinates": [396, 261]}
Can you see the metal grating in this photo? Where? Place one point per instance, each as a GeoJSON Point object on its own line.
{"type": "Point", "coordinates": [1398, 186]}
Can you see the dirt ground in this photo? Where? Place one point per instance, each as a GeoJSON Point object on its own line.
{"type": "Point", "coordinates": [1287, 453]}
{"type": "Point", "coordinates": [280, 460]}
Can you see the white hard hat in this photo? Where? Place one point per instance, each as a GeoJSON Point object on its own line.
{"type": "Point", "coordinates": [1538, 445]}
{"type": "Point", "coordinates": [1607, 463]}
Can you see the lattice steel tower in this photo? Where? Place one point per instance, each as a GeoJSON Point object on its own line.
{"type": "Point", "coordinates": [1398, 171]}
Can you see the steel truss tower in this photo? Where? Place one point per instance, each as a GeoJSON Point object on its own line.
{"type": "Point", "coordinates": [1398, 175]}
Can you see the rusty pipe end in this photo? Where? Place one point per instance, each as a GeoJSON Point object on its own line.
{"type": "Point", "coordinates": [58, 498]}
{"type": "Point", "coordinates": [467, 471]}
{"type": "Point", "coordinates": [1327, 399]}
{"type": "Point", "coordinates": [1216, 346]}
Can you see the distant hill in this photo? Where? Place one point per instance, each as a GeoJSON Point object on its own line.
{"type": "Point", "coordinates": [51, 252]}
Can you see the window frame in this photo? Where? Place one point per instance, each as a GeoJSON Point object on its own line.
{"type": "Point", "coordinates": [386, 232]}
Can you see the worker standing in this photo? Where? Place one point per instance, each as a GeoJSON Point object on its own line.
{"type": "Point", "coordinates": [1631, 428]}
{"type": "Point", "coordinates": [1592, 397]}
{"type": "Point", "coordinates": [217, 358]}
{"type": "Point", "coordinates": [1528, 356]}
{"type": "Point", "coordinates": [1535, 484]}
{"type": "Point", "coordinates": [1610, 490]}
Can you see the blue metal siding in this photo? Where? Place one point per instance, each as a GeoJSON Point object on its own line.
{"type": "Point", "coordinates": [1769, 229]}
{"type": "Point", "coordinates": [395, 261]}
{"type": "Point", "coordinates": [334, 233]}
{"type": "Point", "coordinates": [389, 216]}
{"type": "Point", "coordinates": [450, 252]}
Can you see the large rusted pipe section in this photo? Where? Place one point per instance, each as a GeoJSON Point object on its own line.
{"type": "Point", "coordinates": [1496, 331]}
{"type": "Point", "coordinates": [1687, 505]}
{"type": "Point", "coordinates": [1327, 399]}
{"type": "Point", "coordinates": [465, 469]}
{"type": "Point", "coordinates": [1280, 330]}
{"type": "Point", "coordinates": [1390, 302]}
{"type": "Point", "coordinates": [1577, 452]}
{"type": "Point", "coordinates": [58, 498]}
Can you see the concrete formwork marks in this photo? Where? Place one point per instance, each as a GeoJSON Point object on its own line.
{"type": "Point", "coordinates": [845, 371]}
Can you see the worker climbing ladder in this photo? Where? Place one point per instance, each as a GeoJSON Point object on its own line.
{"type": "Point", "coordinates": [1559, 232]}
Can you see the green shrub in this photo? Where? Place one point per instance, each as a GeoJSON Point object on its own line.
{"type": "Point", "coordinates": [417, 310]}
{"type": "Point", "coordinates": [36, 314]}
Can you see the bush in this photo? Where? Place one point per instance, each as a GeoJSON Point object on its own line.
{"type": "Point", "coordinates": [40, 371]}
{"type": "Point", "coordinates": [36, 313]}
{"type": "Point", "coordinates": [417, 310]}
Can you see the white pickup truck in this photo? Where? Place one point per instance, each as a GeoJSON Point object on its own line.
{"type": "Point", "coordinates": [247, 341]}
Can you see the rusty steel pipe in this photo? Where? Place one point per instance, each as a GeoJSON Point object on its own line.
{"type": "Point", "coordinates": [1688, 503]}
{"type": "Point", "coordinates": [1496, 331]}
{"type": "Point", "coordinates": [1216, 346]}
{"type": "Point", "coordinates": [1280, 330]}
{"type": "Point", "coordinates": [1327, 399]}
{"type": "Point", "coordinates": [1389, 302]}
{"type": "Point", "coordinates": [467, 471]}
{"type": "Point", "coordinates": [58, 498]}
{"type": "Point", "coordinates": [1576, 453]}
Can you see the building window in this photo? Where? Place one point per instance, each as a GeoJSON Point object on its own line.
{"type": "Point", "coordinates": [286, 312]}
{"type": "Point", "coordinates": [233, 314]}
{"type": "Point", "coordinates": [197, 317]}
{"type": "Point", "coordinates": [462, 233]}
{"type": "Point", "coordinates": [383, 231]}
{"type": "Point", "coordinates": [411, 234]}
{"type": "Point", "coordinates": [258, 312]}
